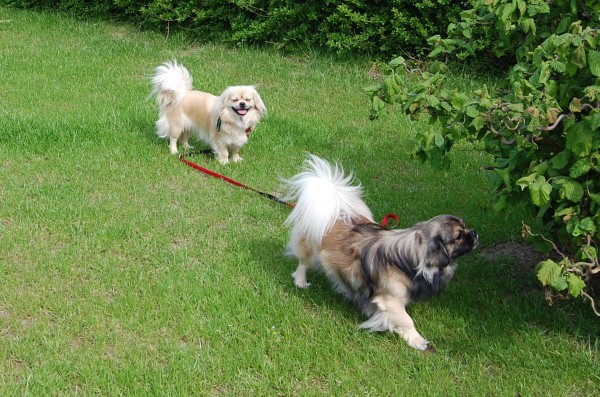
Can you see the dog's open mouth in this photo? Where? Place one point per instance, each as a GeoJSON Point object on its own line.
{"type": "Point", "coordinates": [241, 112]}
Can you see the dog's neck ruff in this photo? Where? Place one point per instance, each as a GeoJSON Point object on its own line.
{"type": "Point", "coordinates": [247, 130]}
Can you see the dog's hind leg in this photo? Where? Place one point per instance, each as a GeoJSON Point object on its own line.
{"type": "Point", "coordinates": [300, 279]}
{"type": "Point", "coordinates": [301, 250]}
{"type": "Point", "coordinates": [173, 145]}
{"type": "Point", "coordinates": [166, 129]}
{"type": "Point", "coordinates": [185, 137]}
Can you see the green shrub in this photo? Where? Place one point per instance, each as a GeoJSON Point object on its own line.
{"type": "Point", "coordinates": [542, 127]}
{"type": "Point", "coordinates": [385, 28]}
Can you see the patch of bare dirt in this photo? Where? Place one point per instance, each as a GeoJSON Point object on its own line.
{"type": "Point", "coordinates": [526, 258]}
{"type": "Point", "coordinates": [525, 255]}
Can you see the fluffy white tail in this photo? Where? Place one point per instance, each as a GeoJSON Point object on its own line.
{"type": "Point", "coordinates": [171, 81]}
{"type": "Point", "coordinates": [323, 195]}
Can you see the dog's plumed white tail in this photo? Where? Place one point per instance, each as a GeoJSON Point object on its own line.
{"type": "Point", "coordinates": [171, 82]}
{"type": "Point", "coordinates": [323, 195]}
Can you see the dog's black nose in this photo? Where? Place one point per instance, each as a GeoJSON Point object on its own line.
{"type": "Point", "coordinates": [242, 105]}
{"type": "Point", "coordinates": [475, 238]}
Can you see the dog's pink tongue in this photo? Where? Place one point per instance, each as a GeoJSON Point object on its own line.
{"type": "Point", "coordinates": [242, 112]}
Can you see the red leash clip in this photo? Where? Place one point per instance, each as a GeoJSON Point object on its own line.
{"type": "Point", "coordinates": [386, 219]}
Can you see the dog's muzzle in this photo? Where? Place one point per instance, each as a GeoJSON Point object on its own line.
{"type": "Point", "coordinates": [241, 110]}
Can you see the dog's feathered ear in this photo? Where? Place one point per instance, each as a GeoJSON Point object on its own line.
{"type": "Point", "coordinates": [221, 103]}
{"type": "Point", "coordinates": [260, 105]}
{"type": "Point", "coordinates": [436, 254]}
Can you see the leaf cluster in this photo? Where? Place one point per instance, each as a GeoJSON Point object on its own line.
{"type": "Point", "coordinates": [542, 125]}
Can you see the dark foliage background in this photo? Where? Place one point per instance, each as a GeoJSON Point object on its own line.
{"type": "Point", "coordinates": [378, 28]}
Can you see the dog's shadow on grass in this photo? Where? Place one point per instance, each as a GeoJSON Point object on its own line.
{"type": "Point", "coordinates": [279, 267]}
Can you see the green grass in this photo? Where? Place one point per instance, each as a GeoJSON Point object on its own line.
{"type": "Point", "coordinates": [124, 272]}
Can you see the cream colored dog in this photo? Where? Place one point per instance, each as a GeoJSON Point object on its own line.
{"type": "Point", "coordinates": [224, 122]}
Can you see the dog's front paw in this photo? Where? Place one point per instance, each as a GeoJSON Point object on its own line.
{"type": "Point", "coordinates": [300, 280]}
{"type": "Point", "coordinates": [223, 161]}
{"type": "Point", "coordinates": [236, 158]}
{"type": "Point", "coordinates": [303, 285]}
{"type": "Point", "coordinates": [418, 343]}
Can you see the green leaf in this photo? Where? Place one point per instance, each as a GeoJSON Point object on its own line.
{"type": "Point", "coordinates": [472, 111]}
{"type": "Point", "coordinates": [397, 62]}
{"type": "Point", "coordinates": [522, 5]}
{"type": "Point", "coordinates": [595, 198]}
{"type": "Point", "coordinates": [525, 181]}
{"type": "Point", "coordinates": [560, 284]}
{"type": "Point", "coordinates": [565, 214]}
{"type": "Point", "coordinates": [548, 272]}
{"type": "Point", "coordinates": [528, 25]}
{"type": "Point", "coordinates": [578, 56]}
{"type": "Point", "coordinates": [377, 104]}
{"type": "Point", "coordinates": [478, 123]}
{"type": "Point", "coordinates": [563, 25]}
{"type": "Point", "coordinates": [571, 190]}
{"type": "Point", "coordinates": [558, 66]}
{"type": "Point", "coordinates": [516, 107]}
{"type": "Point", "coordinates": [561, 160]}
{"type": "Point", "coordinates": [432, 100]}
{"type": "Point", "coordinates": [540, 168]}
{"type": "Point", "coordinates": [583, 227]}
{"type": "Point", "coordinates": [540, 191]}
{"type": "Point", "coordinates": [439, 140]}
{"type": "Point", "coordinates": [587, 225]}
{"type": "Point", "coordinates": [544, 73]}
{"type": "Point", "coordinates": [507, 11]}
{"type": "Point", "coordinates": [504, 176]}
{"type": "Point", "coordinates": [589, 253]}
{"type": "Point", "coordinates": [575, 105]}
{"type": "Point", "coordinates": [459, 100]}
{"type": "Point", "coordinates": [576, 284]}
{"type": "Point", "coordinates": [579, 139]}
{"type": "Point", "coordinates": [581, 167]}
{"type": "Point", "coordinates": [435, 52]}
{"type": "Point", "coordinates": [540, 8]}
{"type": "Point", "coordinates": [594, 62]}
{"type": "Point", "coordinates": [594, 120]}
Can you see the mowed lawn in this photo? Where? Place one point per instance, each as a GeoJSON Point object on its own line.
{"type": "Point", "coordinates": [126, 273]}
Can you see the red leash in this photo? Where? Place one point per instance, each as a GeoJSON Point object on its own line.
{"type": "Point", "coordinates": [206, 171]}
{"type": "Point", "coordinates": [233, 182]}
